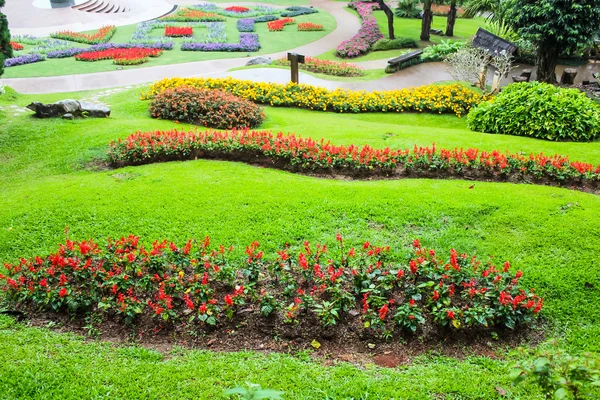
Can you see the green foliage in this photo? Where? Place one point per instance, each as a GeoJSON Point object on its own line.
{"type": "Point", "coordinates": [538, 110]}
{"type": "Point", "coordinates": [211, 108]}
{"type": "Point", "coordinates": [408, 9]}
{"type": "Point", "coordinates": [5, 48]}
{"type": "Point", "coordinates": [558, 374]}
{"type": "Point", "coordinates": [393, 44]}
{"type": "Point", "coordinates": [439, 51]}
{"type": "Point", "coordinates": [255, 392]}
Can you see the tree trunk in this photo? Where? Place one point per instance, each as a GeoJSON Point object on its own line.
{"type": "Point", "coordinates": [451, 19]}
{"type": "Point", "coordinates": [547, 58]}
{"type": "Point", "coordinates": [426, 21]}
{"type": "Point", "coordinates": [390, 17]}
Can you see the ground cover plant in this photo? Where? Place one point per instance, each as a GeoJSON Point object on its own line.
{"type": "Point", "coordinates": [127, 56]}
{"type": "Point", "coordinates": [368, 34]}
{"type": "Point", "coordinates": [102, 36]}
{"type": "Point", "coordinates": [211, 108]}
{"type": "Point", "coordinates": [177, 31]}
{"type": "Point", "coordinates": [325, 67]}
{"type": "Point", "coordinates": [48, 183]}
{"type": "Point", "coordinates": [309, 26]}
{"type": "Point", "coordinates": [453, 98]}
{"type": "Point", "coordinates": [279, 25]}
{"type": "Point", "coordinates": [313, 155]}
{"type": "Point", "coordinates": [23, 60]}
{"type": "Point", "coordinates": [539, 110]}
{"type": "Point", "coordinates": [16, 46]}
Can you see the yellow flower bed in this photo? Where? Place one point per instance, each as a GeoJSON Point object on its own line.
{"type": "Point", "coordinates": [454, 98]}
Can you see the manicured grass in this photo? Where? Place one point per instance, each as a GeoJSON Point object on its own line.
{"type": "Point", "coordinates": [551, 234]}
{"type": "Point", "coordinates": [369, 74]}
{"type": "Point", "coordinates": [271, 42]}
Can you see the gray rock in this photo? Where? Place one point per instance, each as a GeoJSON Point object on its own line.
{"type": "Point", "coordinates": [438, 32]}
{"type": "Point", "coordinates": [259, 61]}
{"type": "Point", "coordinates": [68, 116]}
{"type": "Point", "coordinates": [73, 108]}
{"type": "Point", "coordinates": [94, 110]}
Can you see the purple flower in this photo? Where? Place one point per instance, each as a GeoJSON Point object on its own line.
{"type": "Point", "coordinates": [245, 25]}
{"type": "Point", "coordinates": [22, 60]}
{"type": "Point", "coordinates": [248, 42]}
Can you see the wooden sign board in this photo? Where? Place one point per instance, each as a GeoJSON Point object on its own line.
{"type": "Point", "coordinates": [493, 44]}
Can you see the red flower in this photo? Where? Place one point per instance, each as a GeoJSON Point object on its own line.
{"type": "Point", "coordinates": [400, 274]}
{"type": "Point", "coordinates": [338, 237]}
{"type": "Point", "coordinates": [383, 312]}
{"type": "Point", "coordinates": [416, 244]}
{"type": "Point", "coordinates": [519, 274]}
{"type": "Point", "coordinates": [413, 266]}
{"type": "Point", "coordinates": [44, 283]}
{"type": "Point", "coordinates": [436, 295]}
{"type": "Point", "coordinates": [450, 314]}
{"type": "Point", "coordinates": [202, 308]}
{"type": "Point", "coordinates": [229, 300]}
{"type": "Point", "coordinates": [63, 292]}
{"type": "Point", "coordinates": [411, 302]}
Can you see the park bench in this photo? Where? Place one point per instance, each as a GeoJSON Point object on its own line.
{"type": "Point", "coordinates": [394, 63]}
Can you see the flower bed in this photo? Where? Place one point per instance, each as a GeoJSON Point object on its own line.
{"type": "Point", "coordinates": [309, 27]}
{"type": "Point", "coordinates": [325, 67]}
{"type": "Point", "coordinates": [23, 60]}
{"type": "Point", "coordinates": [107, 46]}
{"type": "Point", "coordinates": [237, 9]}
{"type": "Point", "coordinates": [16, 46]}
{"type": "Point", "coordinates": [131, 56]}
{"type": "Point", "coordinates": [248, 43]}
{"type": "Point", "coordinates": [192, 15]}
{"type": "Point", "coordinates": [279, 25]}
{"type": "Point", "coordinates": [293, 153]}
{"type": "Point", "coordinates": [368, 34]}
{"type": "Point", "coordinates": [296, 11]}
{"type": "Point", "coordinates": [177, 31]}
{"type": "Point", "coordinates": [247, 24]}
{"type": "Point", "coordinates": [204, 288]}
{"type": "Point", "coordinates": [454, 98]}
{"type": "Point", "coordinates": [102, 36]}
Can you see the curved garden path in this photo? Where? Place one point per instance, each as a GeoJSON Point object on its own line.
{"type": "Point", "coordinates": [347, 26]}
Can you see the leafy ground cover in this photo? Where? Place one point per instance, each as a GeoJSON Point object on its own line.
{"type": "Point", "coordinates": [550, 234]}
{"type": "Point", "coordinates": [271, 42]}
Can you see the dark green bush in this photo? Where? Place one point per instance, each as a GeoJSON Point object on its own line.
{"type": "Point", "coordinates": [538, 110]}
{"type": "Point", "coordinates": [393, 44]}
{"type": "Point", "coordinates": [207, 107]}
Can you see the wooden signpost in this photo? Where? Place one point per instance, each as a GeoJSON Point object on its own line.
{"type": "Point", "coordinates": [294, 59]}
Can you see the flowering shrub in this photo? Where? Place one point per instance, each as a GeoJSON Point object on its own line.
{"type": "Point", "coordinates": [131, 56]}
{"type": "Point", "coordinates": [275, 26]}
{"type": "Point", "coordinates": [368, 34]}
{"type": "Point", "coordinates": [539, 110]}
{"type": "Point", "coordinates": [309, 26]}
{"type": "Point", "coordinates": [16, 46]}
{"type": "Point", "coordinates": [22, 60]}
{"type": "Point", "coordinates": [454, 98]}
{"type": "Point", "coordinates": [248, 42]}
{"type": "Point", "coordinates": [206, 287]}
{"type": "Point", "coordinates": [247, 24]}
{"type": "Point", "coordinates": [325, 67]}
{"type": "Point", "coordinates": [296, 11]}
{"type": "Point", "coordinates": [176, 31]}
{"type": "Point", "coordinates": [212, 108]}
{"type": "Point", "coordinates": [191, 15]}
{"type": "Point", "coordinates": [305, 154]}
{"type": "Point", "coordinates": [237, 9]}
{"type": "Point", "coordinates": [102, 36]}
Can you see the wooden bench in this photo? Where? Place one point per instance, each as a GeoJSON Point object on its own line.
{"type": "Point", "coordinates": [394, 63]}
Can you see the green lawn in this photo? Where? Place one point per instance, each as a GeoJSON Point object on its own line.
{"type": "Point", "coordinates": [369, 74]}
{"type": "Point", "coordinates": [411, 28]}
{"type": "Point", "coordinates": [551, 234]}
{"type": "Point", "coordinates": [271, 42]}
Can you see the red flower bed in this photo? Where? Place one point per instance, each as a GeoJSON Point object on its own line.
{"type": "Point", "coordinates": [129, 56]}
{"type": "Point", "coordinates": [16, 46]}
{"type": "Point", "coordinates": [102, 36]}
{"type": "Point", "coordinates": [176, 31]}
{"type": "Point", "coordinates": [306, 154]}
{"type": "Point", "coordinates": [237, 9]}
{"type": "Point", "coordinates": [309, 26]}
{"type": "Point", "coordinates": [278, 25]}
{"type": "Point", "coordinates": [200, 286]}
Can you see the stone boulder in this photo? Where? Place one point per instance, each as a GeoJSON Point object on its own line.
{"type": "Point", "coordinates": [73, 108]}
{"type": "Point", "coordinates": [259, 61]}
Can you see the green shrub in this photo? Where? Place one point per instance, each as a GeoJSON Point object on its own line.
{"type": "Point", "coordinates": [211, 108]}
{"type": "Point", "coordinates": [408, 9]}
{"type": "Point", "coordinates": [439, 51]}
{"type": "Point", "coordinates": [538, 110]}
{"type": "Point", "coordinates": [393, 44]}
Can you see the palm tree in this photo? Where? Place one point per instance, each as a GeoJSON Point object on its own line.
{"type": "Point", "coordinates": [496, 9]}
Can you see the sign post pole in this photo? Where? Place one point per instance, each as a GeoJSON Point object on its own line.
{"type": "Point", "coordinates": [294, 59]}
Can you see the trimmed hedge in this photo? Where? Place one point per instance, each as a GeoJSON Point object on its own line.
{"type": "Point", "coordinates": [211, 108]}
{"type": "Point", "coordinates": [538, 110]}
{"type": "Point", "coordinates": [393, 44]}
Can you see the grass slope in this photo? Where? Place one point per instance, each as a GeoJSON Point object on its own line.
{"type": "Point", "coordinates": [271, 42]}
{"type": "Point", "coordinates": [551, 234]}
